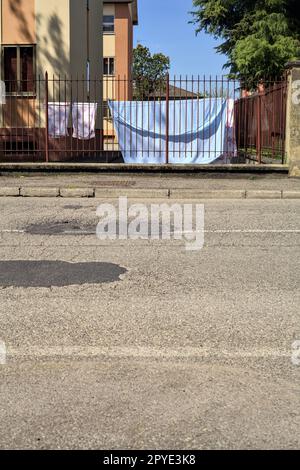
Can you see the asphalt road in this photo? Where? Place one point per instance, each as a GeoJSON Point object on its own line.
{"type": "Point", "coordinates": [159, 347]}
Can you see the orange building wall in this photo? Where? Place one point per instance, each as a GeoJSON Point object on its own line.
{"type": "Point", "coordinates": [20, 112]}
{"type": "Point", "coordinates": [124, 47]}
{"type": "Point", "coordinates": [18, 25]}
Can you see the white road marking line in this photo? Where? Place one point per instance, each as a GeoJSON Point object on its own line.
{"type": "Point", "coordinates": [191, 232]}
{"type": "Point", "coordinates": [77, 232]}
{"type": "Point", "coordinates": [251, 231]}
{"type": "Point", "coordinates": [188, 232]}
{"type": "Point", "coordinates": [12, 231]}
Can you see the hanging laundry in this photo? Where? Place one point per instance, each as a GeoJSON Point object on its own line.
{"type": "Point", "coordinates": [230, 147]}
{"type": "Point", "coordinates": [58, 117]}
{"type": "Point", "coordinates": [84, 120]}
{"type": "Point", "coordinates": [200, 130]}
{"type": "Point", "coordinates": [229, 138]}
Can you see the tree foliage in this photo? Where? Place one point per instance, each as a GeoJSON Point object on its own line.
{"type": "Point", "coordinates": [259, 36]}
{"type": "Point", "coordinates": [149, 71]}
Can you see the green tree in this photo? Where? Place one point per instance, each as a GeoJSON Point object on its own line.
{"type": "Point", "coordinates": [259, 36]}
{"type": "Point", "coordinates": [149, 71]}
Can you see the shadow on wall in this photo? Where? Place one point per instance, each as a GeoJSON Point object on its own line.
{"type": "Point", "coordinates": [16, 9]}
{"type": "Point", "coordinates": [51, 49]}
{"type": "Point", "coordinates": [29, 111]}
{"type": "Point", "coordinates": [51, 44]}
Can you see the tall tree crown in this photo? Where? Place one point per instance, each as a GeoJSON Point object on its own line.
{"type": "Point", "coordinates": [258, 36]}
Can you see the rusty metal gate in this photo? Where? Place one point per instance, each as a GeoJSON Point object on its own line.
{"type": "Point", "coordinates": [261, 123]}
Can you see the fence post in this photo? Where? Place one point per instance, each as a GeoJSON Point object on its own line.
{"type": "Point", "coordinates": [47, 115]}
{"type": "Point", "coordinates": [258, 137]}
{"type": "Point", "coordinates": [292, 143]}
{"type": "Point", "coordinates": [167, 116]}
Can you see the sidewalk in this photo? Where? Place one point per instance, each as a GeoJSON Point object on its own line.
{"type": "Point", "coordinates": [203, 186]}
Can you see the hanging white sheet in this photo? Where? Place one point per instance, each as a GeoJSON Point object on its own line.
{"type": "Point", "coordinates": [200, 131]}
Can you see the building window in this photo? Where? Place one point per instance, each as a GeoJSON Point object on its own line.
{"type": "Point", "coordinates": [106, 111]}
{"type": "Point", "coordinates": [108, 66]}
{"type": "Point", "coordinates": [19, 68]}
{"type": "Point", "coordinates": [108, 24]}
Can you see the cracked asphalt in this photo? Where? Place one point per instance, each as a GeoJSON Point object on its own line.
{"type": "Point", "coordinates": [178, 349]}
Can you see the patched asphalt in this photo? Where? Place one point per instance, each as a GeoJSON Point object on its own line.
{"type": "Point", "coordinates": [56, 273]}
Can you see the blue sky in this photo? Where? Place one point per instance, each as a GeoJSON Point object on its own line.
{"type": "Point", "coordinates": [163, 27]}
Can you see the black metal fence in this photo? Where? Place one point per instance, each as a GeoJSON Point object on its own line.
{"type": "Point", "coordinates": [198, 120]}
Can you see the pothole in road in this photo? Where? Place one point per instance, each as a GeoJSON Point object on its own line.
{"type": "Point", "coordinates": [57, 273]}
{"type": "Point", "coordinates": [62, 227]}
{"type": "Point", "coordinates": [74, 228]}
{"type": "Point", "coordinates": [74, 207]}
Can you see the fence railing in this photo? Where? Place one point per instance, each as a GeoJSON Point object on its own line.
{"type": "Point", "coordinates": [206, 120]}
{"type": "Point", "coordinates": [261, 123]}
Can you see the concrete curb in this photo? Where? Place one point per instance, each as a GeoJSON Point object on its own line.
{"type": "Point", "coordinates": [9, 192]}
{"type": "Point", "coordinates": [77, 192]}
{"type": "Point", "coordinates": [218, 194]}
{"type": "Point", "coordinates": [132, 193]}
{"type": "Point", "coordinates": [290, 194]}
{"type": "Point", "coordinates": [263, 194]}
{"type": "Point", "coordinates": [39, 192]}
{"type": "Point", "coordinates": [107, 193]}
{"type": "Point", "coordinates": [140, 168]}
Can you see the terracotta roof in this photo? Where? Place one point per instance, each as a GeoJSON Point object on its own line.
{"type": "Point", "coordinates": [176, 92]}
